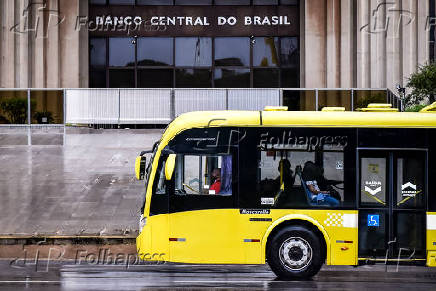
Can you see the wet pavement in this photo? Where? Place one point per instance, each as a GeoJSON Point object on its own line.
{"type": "Point", "coordinates": [70, 276]}
{"type": "Point", "coordinates": [80, 182]}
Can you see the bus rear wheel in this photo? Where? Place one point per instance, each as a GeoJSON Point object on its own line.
{"type": "Point", "coordinates": [295, 253]}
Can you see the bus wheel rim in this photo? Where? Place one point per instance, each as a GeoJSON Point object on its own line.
{"type": "Point", "coordinates": [295, 253]}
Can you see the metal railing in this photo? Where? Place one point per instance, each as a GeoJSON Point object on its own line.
{"type": "Point", "coordinates": [160, 106]}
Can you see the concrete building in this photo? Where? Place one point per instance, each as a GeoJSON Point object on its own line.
{"type": "Point", "coordinates": [342, 43]}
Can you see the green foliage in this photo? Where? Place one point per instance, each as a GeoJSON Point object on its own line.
{"type": "Point", "coordinates": [415, 108]}
{"type": "Point", "coordinates": [423, 85]}
{"type": "Point", "coordinates": [15, 109]}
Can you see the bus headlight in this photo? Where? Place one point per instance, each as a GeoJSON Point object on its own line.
{"type": "Point", "coordinates": [142, 222]}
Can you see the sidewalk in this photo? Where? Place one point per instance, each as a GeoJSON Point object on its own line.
{"type": "Point", "coordinates": [85, 187]}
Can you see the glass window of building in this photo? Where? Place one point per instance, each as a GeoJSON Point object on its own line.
{"type": "Point", "coordinates": [289, 2]}
{"type": "Point", "coordinates": [265, 52]}
{"type": "Point", "coordinates": [289, 53]}
{"type": "Point", "coordinates": [154, 2]}
{"type": "Point", "coordinates": [238, 55]}
{"type": "Point", "coordinates": [265, 78]}
{"type": "Point", "coordinates": [155, 51]}
{"type": "Point", "coordinates": [193, 2]}
{"type": "Point", "coordinates": [121, 2]}
{"type": "Point", "coordinates": [97, 79]}
{"type": "Point", "coordinates": [97, 47]}
{"type": "Point", "coordinates": [193, 51]}
{"type": "Point", "coordinates": [232, 2]}
{"type": "Point", "coordinates": [121, 78]}
{"type": "Point", "coordinates": [265, 2]}
{"type": "Point", "coordinates": [232, 78]}
{"type": "Point", "coordinates": [290, 78]}
{"type": "Point", "coordinates": [193, 78]}
{"type": "Point", "coordinates": [155, 78]}
{"type": "Point", "coordinates": [97, 2]}
{"type": "Point", "coordinates": [121, 52]}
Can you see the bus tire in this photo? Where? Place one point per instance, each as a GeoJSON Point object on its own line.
{"type": "Point", "coordinates": [294, 252]}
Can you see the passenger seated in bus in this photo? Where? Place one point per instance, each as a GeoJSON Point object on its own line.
{"type": "Point", "coordinates": [286, 178]}
{"type": "Point", "coordinates": [215, 181]}
{"type": "Point", "coordinates": [311, 175]}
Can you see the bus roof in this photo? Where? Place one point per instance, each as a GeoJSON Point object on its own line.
{"type": "Point", "coordinates": [203, 119]}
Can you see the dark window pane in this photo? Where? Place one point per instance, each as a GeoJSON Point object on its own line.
{"type": "Point", "coordinates": [97, 2]}
{"type": "Point", "coordinates": [361, 98]}
{"type": "Point", "coordinates": [334, 98]}
{"type": "Point", "coordinates": [193, 51]}
{"type": "Point", "coordinates": [121, 79]}
{"type": "Point", "coordinates": [232, 78]}
{"type": "Point", "coordinates": [155, 78]}
{"type": "Point", "coordinates": [154, 2]}
{"type": "Point", "coordinates": [290, 78]}
{"type": "Point", "coordinates": [13, 107]}
{"type": "Point", "coordinates": [289, 55]}
{"type": "Point", "coordinates": [121, 2]}
{"type": "Point", "coordinates": [193, 2]}
{"type": "Point", "coordinates": [47, 106]}
{"type": "Point", "coordinates": [304, 100]}
{"type": "Point", "coordinates": [265, 2]}
{"type": "Point", "coordinates": [193, 78]}
{"type": "Point", "coordinates": [232, 51]}
{"type": "Point", "coordinates": [232, 2]}
{"type": "Point", "coordinates": [97, 79]}
{"type": "Point", "coordinates": [265, 51]}
{"type": "Point", "coordinates": [265, 78]}
{"type": "Point", "coordinates": [97, 47]}
{"type": "Point", "coordinates": [155, 51]}
{"type": "Point", "coordinates": [289, 2]}
{"type": "Point", "coordinates": [121, 52]}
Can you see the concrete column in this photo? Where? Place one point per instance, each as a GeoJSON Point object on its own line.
{"type": "Point", "coordinates": [423, 36]}
{"type": "Point", "coordinates": [378, 43]}
{"type": "Point", "coordinates": [22, 46]}
{"type": "Point", "coordinates": [363, 45]}
{"type": "Point", "coordinates": [409, 30]}
{"type": "Point", "coordinates": [7, 61]}
{"type": "Point", "coordinates": [52, 43]}
{"type": "Point", "coordinates": [347, 48]}
{"type": "Point", "coordinates": [302, 45]}
{"type": "Point", "coordinates": [333, 60]}
{"type": "Point", "coordinates": [39, 65]}
{"type": "Point", "coordinates": [315, 38]}
{"type": "Point", "coordinates": [69, 45]}
{"type": "Point", "coordinates": [84, 48]}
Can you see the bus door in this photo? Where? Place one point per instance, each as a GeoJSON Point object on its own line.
{"type": "Point", "coordinates": [392, 204]}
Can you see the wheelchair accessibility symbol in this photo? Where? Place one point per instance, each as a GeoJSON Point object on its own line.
{"type": "Point", "coordinates": [373, 220]}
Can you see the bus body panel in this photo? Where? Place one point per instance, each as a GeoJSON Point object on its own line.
{"type": "Point", "coordinates": [208, 246]}
{"type": "Point", "coordinates": [431, 239]}
{"type": "Point", "coordinates": [225, 236]}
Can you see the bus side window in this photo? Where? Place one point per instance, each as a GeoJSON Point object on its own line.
{"type": "Point", "coordinates": [203, 175]}
{"type": "Point", "coordinates": [159, 198]}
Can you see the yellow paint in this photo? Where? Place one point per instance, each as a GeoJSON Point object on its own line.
{"type": "Point", "coordinates": [430, 108]}
{"type": "Point", "coordinates": [217, 236]}
{"type": "Point", "coordinates": [138, 167]}
{"type": "Point", "coordinates": [170, 163]}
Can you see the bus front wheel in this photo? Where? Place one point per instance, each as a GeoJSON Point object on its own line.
{"type": "Point", "coordinates": [295, 253]}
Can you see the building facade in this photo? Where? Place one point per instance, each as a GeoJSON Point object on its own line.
{"type": "Point", "coordinates": [214, 43]}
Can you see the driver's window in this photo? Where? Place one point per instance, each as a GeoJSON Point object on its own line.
{"type": "Point", "coordinates": [204, 174]}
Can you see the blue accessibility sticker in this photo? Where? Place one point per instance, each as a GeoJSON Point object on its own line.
{"type": "Point", "coordinates": [373, 220]}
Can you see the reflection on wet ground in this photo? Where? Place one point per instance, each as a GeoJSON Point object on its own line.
{"type": "Point", "coordinates": [85, 186]}
{"type": "Point", "coordinates": [66, 276]}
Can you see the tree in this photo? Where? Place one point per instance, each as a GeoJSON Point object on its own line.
{"type": "Point", "coordinates": [423, 85]}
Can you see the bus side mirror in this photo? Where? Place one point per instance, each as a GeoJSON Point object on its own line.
{"type": "Point", "coordinates": [169, 166]}
{"type": "Point", "coordinates": [140, 167]}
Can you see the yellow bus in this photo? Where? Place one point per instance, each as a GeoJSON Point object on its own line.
{"type": "Point", "coordinates": [293, 189]}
